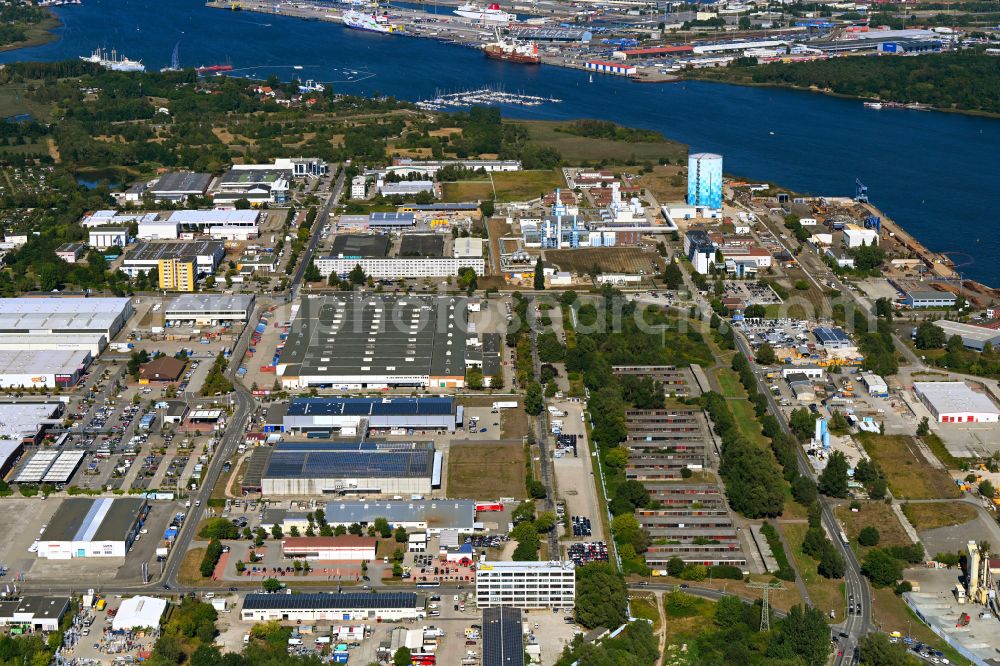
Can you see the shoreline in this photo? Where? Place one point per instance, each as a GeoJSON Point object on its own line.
{"type": "Point", "coordinates": [832, 93]}
{"type": "Point", "coordinates": [45, 33]}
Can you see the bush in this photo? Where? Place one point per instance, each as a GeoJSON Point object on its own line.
{"type": "Point", "coordinates": [726, 571]}
{"type": "Point", "coordinates": [869, 537]}
{"type": "Point", "coordinates": [211, 558]}
{"type": "Point", "coordinates": [785, 570]}
{"type": "Point", "coordinates": [219, 528]}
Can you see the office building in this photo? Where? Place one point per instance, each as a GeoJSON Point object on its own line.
{"type": "Point", "coordinates": [955, 402]}
{"type": "Point", "coordinates": [210, 309]}
{"type": "Point", "coordinates": [705, 180]}
{"type": "Point", "coordinates": [86, 527]}
{"type": "Point", "coordinates": [526, 584]}
{"type": "Point", "coordinates": [254, 184]}
{"type": "Point", "coordinates": [700, 250]}
{"type": "Point", "coordinates": [359, 187]}
{"type": "Point", "coordinates": [503, 637]}
{"type": "Point", "coordinates": [369, 341]}
{"type": "Point", "coordinates": [179, 265]}
{"type": "Point", "coordinates": [329, 607]}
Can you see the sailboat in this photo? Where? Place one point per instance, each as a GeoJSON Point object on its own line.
{"type": "Point", "coordinates": [175, 61]}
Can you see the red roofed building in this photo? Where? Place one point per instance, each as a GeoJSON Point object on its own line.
{"type": "Point", "coordinates": [337, 548]}
{"type": "Point", "coordinates": [654, 51]}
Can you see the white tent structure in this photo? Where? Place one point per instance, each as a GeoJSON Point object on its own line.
{"type": "Point", "coordinates": [139, 612]}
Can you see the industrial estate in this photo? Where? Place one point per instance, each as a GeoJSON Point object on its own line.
{"type": "Point", "coordinates": [435, 394]}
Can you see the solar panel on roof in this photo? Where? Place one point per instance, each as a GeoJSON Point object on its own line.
{"type": "Point", "coordinates": [324, 600]}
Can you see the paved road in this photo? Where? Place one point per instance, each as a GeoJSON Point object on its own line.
{"type": "Point", "coordinates": [542, 434]}
{"type": "Point", "coordinates": [321, 219]}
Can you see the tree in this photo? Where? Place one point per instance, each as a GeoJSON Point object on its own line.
{"type": "Point", "coordinates": [271, 585]}
{"type": "Point", "coordinates": [876, 650]}
{"type": "Point", "coordinates": [600, 596]}
{"type": "Point", "coordinates": [673, 278]}
{"type": "Point", "coordinates": [804, 633]}
{"type": "Point", "coordinates": [568, 298]}
{"type": "Point", "coordinates": [626, 530]}
{"type": "Point", "coordinates": [986, 489]}
{"type": "Point", "coordinates": [382, 527]}
{"type": "Point", "coordinates": [539, 275]}
{"type": "Point", "coordinates": [924, 428]}
{"type": "Point", "coordinates": [276, 531]}
{"type": "Point", "coordinates": [400, 535]}
{"type": "Point", "coordinates": [312, 273]}
{"type": "Point", "coordinates": [765, 354]}
{"type": "Point", "coordinates": [533, 401]}
{"type": "Point", "coordinates": [675, 566]}
{"type": "Point", "coordinates": [804, 490]}
{"type": "Point", "coordinates": [831, 563]}
{"type": "Point", "coordinates": [357, 275]}
{"type": "Point", "coordinates": [802, 422]}
{"type": "Point", "coordinates": [403, 657]}
{"type": "Point", "coordinates": [930, 336]}
{"type": "Point", "coordinates": [869, 536]}
{"type": "Point", "coordinates": [881, 568]}
{"type": "Point", "coordinates": [833, 479]}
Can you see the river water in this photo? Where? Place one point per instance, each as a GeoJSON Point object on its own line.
{"type": "Point", "coordinates": [935, 173]}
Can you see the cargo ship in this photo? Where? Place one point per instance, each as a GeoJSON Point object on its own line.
{"type": "Point", "coordinates": [525, 53]}
{"type": "Point", "coordinates": [370, 21]}
{"type": "Point", "coordinates": [114, 61]}
{"type": "Point", "coordinates": [491, 14]}
{"type": "Point", "coordinates": [214, 69]}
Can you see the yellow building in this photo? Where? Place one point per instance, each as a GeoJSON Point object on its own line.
{"type": "Point", "coordinates": [177, 275]}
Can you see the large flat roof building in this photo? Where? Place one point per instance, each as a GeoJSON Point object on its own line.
{"type": "Point", "coordinates": [432, 516]}
{"type": "Point", "coordinates": [309, 414]}
{"type": "Point", "coordinates": [179, 185]}
{"type": "Point", "coordinates": [364, 341]}
{"type": "Point", "coordinates": [34, 613]}
{"type": "Point", "coordinates": [36, 368]}
{"type": "Point", "coordinates": [323, 468]}
{"type": "Point", "coordinates": [973, 337]}
{"type": "Point", "coordinates": [205, 255]}
{"type": "Point", "coordinates": [955, 402]}
{"type": "Point", "coordinates": [503, 637]}
{"type": "Point", "coordinates": [26, 421]}
{"type": "Point", "coordinates": [329, 607]}
{"type": "Point", "coordinates": [210, 309]}
{"type": "Point", "coordinates": [74, 323]}
{"type": "Point", "coordinates": [86, 527]}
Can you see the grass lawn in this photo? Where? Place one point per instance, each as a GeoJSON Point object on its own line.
{"type": "Point", "coordinates": [892, 614]}
{"type": "Point", "coordinates": [686, 613]}
{"type": "Point", "coordinates": [190, 571]}
{"type": "Point", "coordinates": [729, 382]}
{"type": "Point", "coordinates": [466, 190]}
{"type": "Point", "coordinates": [826, 593]}
{"type": "Point", "coordinates": [747, 422]}
{"type": "Point", "coordinates": [938, 514]}
{"type": "Point", "coordinates": [645, 606]}
{"type": "Point", "coordinates": [486, 470]}
{"type": "Point", "coordinates": [667, 183]}
{"type": "Point", "coordinates": [607, 260]}
{"type": "Point", "coordinates": [575, 148]}
{"type": "Point", "coordinates": [521, 185]}
{"type": "Point", "coordinates": [873, 514]}
{"type": "Point", "coordinates": [909, 475]}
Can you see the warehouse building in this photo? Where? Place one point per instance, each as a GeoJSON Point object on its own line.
{"type": "Point", "coordinates": [34, 613]}
{"type": "Point", "coordinates": [256, 185]}
{"type": "Point", "coordinates": [36, 368]}
{"type": "Point", "coordinates": [85, 527]}
{"type": "Point", "coordinates": [62, 323]}
{"type": "Point", "coordinates": [304, 415]}
{"type": "Point", "coordinates": [179, 265]}
{"type": "Point", "coordinates": [973, 337]}
{"type": "Point", "coordinates": [219, 224]}
{"type": "Point", "coordinates": [526, 584]}
{"type": "Point", "coordinates": [139, 613]}
{"type": "Point", "coordinates": [210, 309]}
{"type": "Point", "coordinates": [330, 607]}
{"type": "Point", "coordinates": [406, 188]}
{"type": "Point", "coordinates": [875, 384]}
{"type": "Point", "coordinates": [362, 341]}
{"type": "Point", "coordinates": [503, 637]}
{"type": "Point", "coordinates": [833, 339]}
{"type": "Point", "coordinates": [103, 238]}
{"type": "Point", "coordinates": [955, 402]}
{"type": "Point", "coordinates": [929, 298]}
{"type": "Point", "coordinates": [56, 466]}
{"type": "Point", "coordinates": [431, 516]}
{"type": "Point", "coordinates": [342, 548]}
{"type": "Point", "coordinates": [10, 452]}
{"type": "Point", "coordinates": [324, 468]}
{"type": "Point", "coordinates": [27, 422]}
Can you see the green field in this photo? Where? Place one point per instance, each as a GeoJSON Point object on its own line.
{"type": "Point", "coordinates": [826, 593]}
{"type": "Point", "coordinates": [580, 148]}
{"type": "Point", "coordinates": [507, 186]}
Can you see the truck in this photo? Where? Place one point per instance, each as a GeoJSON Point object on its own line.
{"type": "Point", "coordinates": [220, 605]}
{"type": "Point", "coordinates": [505, 404]}
{"type": "Point", "coordinates": [123, 347]}
{"type": "Point", "coordinates": [555, 411]}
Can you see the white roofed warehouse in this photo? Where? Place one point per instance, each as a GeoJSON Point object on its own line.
{"type": "Point", "coordinates": [955, 402]}
{"type": "Point", "coordinates": [62, 323]}
{"type": "Point", "coordinates": [329, 607]}
{"type": "Point", "coordinates": [85, 527]}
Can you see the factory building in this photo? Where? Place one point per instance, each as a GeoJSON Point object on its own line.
{"type": "Point", "coordinates": [405, 166]}
{"type": "Point", "coordinates": [304, 415]}
{"type": "Point", "coordinates": [955, 402]}
{"type": "Point", "coordinates": [85, 527]}
{"type": "Point", "coordinates": [973, 337]}
{"type": "Point", "coordinates": [326, 468]}
{"type": "Point", "coordinates": [36, 368]}
{"type": "Point", "coordinates": [178, 186]}
{"type": "Point", "coordinates": [219, 224]}
{"type": "Point", "coordinates": [258, 185]}
{"type": "Point", "coordinates": [210, 309]}
{"type": "Point", "coordinates": [431, 516]}
{"type": "Point", "coordinates": [406, 188]}
{"type": "Point", "coordinates": [856, 236]}
{"type": "Point", "coordinates": [330, 607]}
{"type": "Point", "coordinates": [705, 180]}
{"type": "Point", "coordinates": [342, 548]}
{"type": "Point", "coordinates": [832, 339]}
{"type": "Point", "coordinates": [526, 585]}
{"type": "Point", "coordinates": [371, 341]}
{"type": "Point", "coordinates": [61, 323]}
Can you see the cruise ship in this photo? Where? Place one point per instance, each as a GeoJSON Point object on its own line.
{"type": "Point", "coordinates": [114, 61]}
{"type": "Point", "coordinates": [371, 21]}
{"type": "Point", "coordinates": [491, 14]}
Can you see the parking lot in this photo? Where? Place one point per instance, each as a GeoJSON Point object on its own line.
{"type": "Point", "coordinates": [751, 292]}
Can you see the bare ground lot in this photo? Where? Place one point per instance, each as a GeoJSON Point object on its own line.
{"type": "Point", "coordinates": [873, 514]}
{"type": "Point", "coordinates": [909, 474]}
{"type": "Point", "coordinates": [932, 515]}
{"type": "Point", "coordinates": [606, 259]}
{"type": "Point", "coordinates": [487, 470]}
